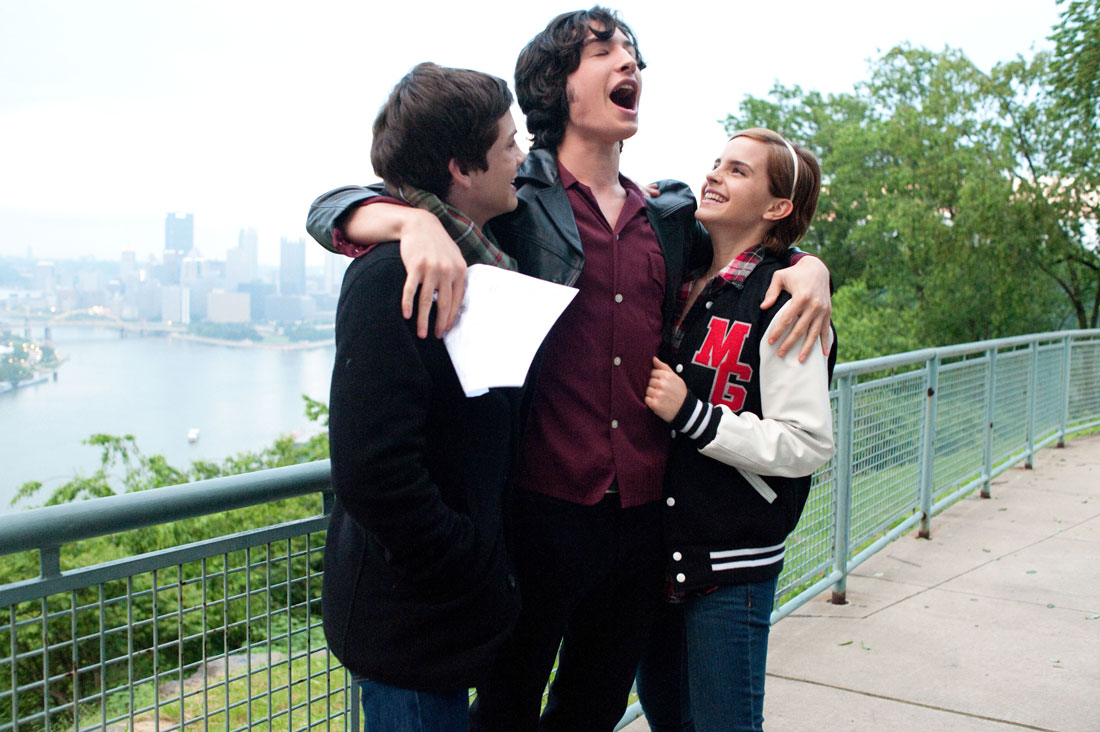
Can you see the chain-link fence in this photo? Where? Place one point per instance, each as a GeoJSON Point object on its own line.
{"type": "Point", "coordinates": [224, 632]}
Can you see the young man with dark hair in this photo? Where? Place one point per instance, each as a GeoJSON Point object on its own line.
{"type": "Point", "coordinates": [418, 590]}
{"type": "Point", "coordinates": [585, 515]}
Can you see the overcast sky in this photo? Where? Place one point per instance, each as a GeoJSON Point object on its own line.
{"type": "Point", "coordinates": [113, 113]}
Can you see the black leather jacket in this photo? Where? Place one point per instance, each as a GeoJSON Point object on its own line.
{"type": "Point", "coordinates": [542, 233]}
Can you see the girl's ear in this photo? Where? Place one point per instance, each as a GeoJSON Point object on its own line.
{"type": "Point", "coordinates": [780, 208]}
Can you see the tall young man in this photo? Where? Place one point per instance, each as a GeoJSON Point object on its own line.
{"type": "Point", "coordinates": [418, 590]}
{"type": "Point", "coordinates": [585, 519]}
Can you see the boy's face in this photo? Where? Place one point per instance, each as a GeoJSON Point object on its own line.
{"type": "Point", "coordinates": [491, 190]}
{"type": "Point", "coordinates": [604, 90]}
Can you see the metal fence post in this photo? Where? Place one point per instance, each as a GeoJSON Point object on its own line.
{"type": "Point", "coordinates": [990, 412]}
{"type": "Point", "coordinates": [1067, 358]}
{"type": "Point", "coordinates": [844, 446]}
{"type": "Point", "coordinates": [928, 448]}
{"type": "Point", "coordinates": [353, 701]}
{"type": "Point", "coordinates": [1032, 386]}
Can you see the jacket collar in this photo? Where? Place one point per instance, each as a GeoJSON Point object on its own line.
{"type": "Point", "coordinates": [540, 170]}
{"type": "Point", "coordinates": [541, 166]}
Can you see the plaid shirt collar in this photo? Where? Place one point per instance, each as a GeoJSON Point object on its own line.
{"type": "Point", "coordinates": [476, 245]}
{"type": "Point", "coordinates": [733, 274]}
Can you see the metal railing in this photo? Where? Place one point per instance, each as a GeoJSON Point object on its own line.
{"type": "Point", "coordinates": [224, 632]}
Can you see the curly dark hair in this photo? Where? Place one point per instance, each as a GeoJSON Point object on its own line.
{"type": "Point", "coordinates": [435, 114]}
{"type": "Point", "coordinates": [551, 56]}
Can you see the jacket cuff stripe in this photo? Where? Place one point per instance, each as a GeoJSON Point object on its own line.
{"type": "Point", "coordinates": [701, 425]}
{"type": "Point", "coordinates": [748, 552]}
{"type": "Point", "coordinates": [744, 564]}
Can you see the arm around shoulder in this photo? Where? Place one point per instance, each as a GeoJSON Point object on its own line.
{"type": "Point", "coordinates": [329, 210]}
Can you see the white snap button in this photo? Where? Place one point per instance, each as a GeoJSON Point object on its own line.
{"type": "Point", "coordinates": [614, 424]}
{"type": "Point", "coordinates": [670, 501]}
{"type": "Point", "coordinates": [709, 303]}
{"type": "Point", "coordinates": [679, 368]}
{"type": "Point", "coordinates": [617, 361]}
{"type": "Point", "coordinates": [681, 578]}
{"type": "Point", "coordinates": [677, 556]}
{"type": "Point", "coordinates": [618, 298]}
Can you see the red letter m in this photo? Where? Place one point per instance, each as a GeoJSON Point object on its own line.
{"type": "Point", "coordinates": [722, 351]}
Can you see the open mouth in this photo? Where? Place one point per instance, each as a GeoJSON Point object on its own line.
{"type": "Point", "coordinates": [710, 195]}
{"type": "Point", "coordinates": [625, 95]}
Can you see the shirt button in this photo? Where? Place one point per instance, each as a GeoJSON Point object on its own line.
{"type": "Point", "coordinates": [673, 433]}
{"type": "Point", "coordinates": [681, 578]}
{"type": "Point", "coordinates": [670, 501]}
{"type": "Point", "coordinates": [614, 424]}
{"type": "Point", "coordinates": [618, 297]}
{"type": "Point", "coordinates": [677, 556]}
{"type": "Point", "coordinates": [709, 303]}
{"type": "Point", "coordinates": [679, 368]}
{"type": "Point", "coordinates": [616, 360]}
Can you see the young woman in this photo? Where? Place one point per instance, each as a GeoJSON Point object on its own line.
{"type": "Point", "coordinates": [750, 427]}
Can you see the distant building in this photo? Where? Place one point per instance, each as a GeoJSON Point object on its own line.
{"type": "Point", "coordinates": [258, 294]}
{"type": "Point", "coordinates": [289, 308]}
{"type": "Point", "coordinates": [192, 269]}
{"type": "Point", "coordinates": [292, 266]}
{"type": "Point", "coordinates": [169, 271]}
{"type": "Point", "coordinates": [127, 264]}
{"type": "Point", "coordinates": [248, 242]}
{"type": "Point", "coordinates": [45, 277]}
{"type": "Point", "coordinates": [179, 232]}
{"type": "Point", "coordinates": [334, 273]}
{"type": "Point", "coordinates": [242, 264]}
{"type": "Point", "coordinates": [142, 299]}
{"type": "Point", "coordinates": [176, 305]}
{"type": "Point", "coordinates": [89, 280]}
{"type": "Point", "coordinates": [228, 307]}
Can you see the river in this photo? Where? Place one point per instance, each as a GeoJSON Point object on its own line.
{"type": "Point", "coordinates": [156, 389]}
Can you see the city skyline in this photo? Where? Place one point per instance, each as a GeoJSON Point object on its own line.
{"type": "Point", "coordinates": [180, 286]}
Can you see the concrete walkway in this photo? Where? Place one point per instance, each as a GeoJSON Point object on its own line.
{"type": "Point", "coordinates": [992, 625]}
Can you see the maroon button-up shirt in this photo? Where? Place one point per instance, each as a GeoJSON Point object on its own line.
{"type": "Point", "coordinates": [589, 426]}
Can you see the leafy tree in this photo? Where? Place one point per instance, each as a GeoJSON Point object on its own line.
{"type": "Point", "coordinates": [13, 370]}
{"type": "Point", "coordinates": [230, 613]}
{"type": "Point", "coordinates": [1075, 68]}
{"type": "Point", "coordinates": [934, 193]}
{"type": "Point", "coordinates": [225, 331]}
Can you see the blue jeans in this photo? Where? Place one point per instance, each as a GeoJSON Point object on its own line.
{"type": "Point", "coordinates": [392, 709]}
{"type": "Point", "coordinates": [704, 668]}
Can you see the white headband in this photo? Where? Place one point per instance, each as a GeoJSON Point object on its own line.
{"type": "Point", "coordinates": [794, 159]}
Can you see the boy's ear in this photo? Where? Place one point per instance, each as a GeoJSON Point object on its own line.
{"type": "Point", "coordinates": [780, 208]}
{"type": "Point", "coordinates": [458, 178]}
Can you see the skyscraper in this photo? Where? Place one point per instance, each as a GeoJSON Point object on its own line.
{"type": "Point", "coordinates": [179, 232]}
{"type": "Point", "coordinates": [292, 266]}
{"type": "Point", "coordinates": [242, 264]}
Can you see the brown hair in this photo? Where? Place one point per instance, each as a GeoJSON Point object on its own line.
{"type": "Point", "coordinates": [435, 114]}
{"type": "Point", "coordinates": [549, 58]}
{"type": "Point", "coordinates": [788, 230]}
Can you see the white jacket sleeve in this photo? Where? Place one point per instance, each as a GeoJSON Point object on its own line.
{"type": "Point", "coordinates": [795, 435]}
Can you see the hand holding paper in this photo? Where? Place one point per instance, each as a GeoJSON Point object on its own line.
{"type": "Point", "coordinates": [504, 318]}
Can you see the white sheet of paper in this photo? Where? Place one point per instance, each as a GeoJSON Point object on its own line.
{"type": "Point", "coordinates": [504, 318]}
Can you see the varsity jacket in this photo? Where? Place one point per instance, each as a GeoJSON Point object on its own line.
{"type": "Point", "coordinates": [751, 431]}
{"type": "Point", "coordinates": [418, 588]}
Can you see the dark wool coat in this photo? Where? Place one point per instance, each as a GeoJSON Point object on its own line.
{"type": "Point", "coordinates": [418, 590]}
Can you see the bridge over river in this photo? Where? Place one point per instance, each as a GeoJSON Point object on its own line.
{"type": "Point", "coordinates": [94, 317]}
